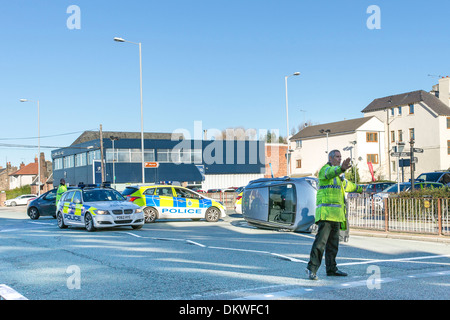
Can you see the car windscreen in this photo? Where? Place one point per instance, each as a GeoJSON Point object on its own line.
{"type": "Point", "coordinates": [431, 176]}
{"type": "Point", "coordinates": [394, 188]}
{"type": "Point", "coordinates": [102, 195]}
{"type": "Point", "coordinates": [128, 191]}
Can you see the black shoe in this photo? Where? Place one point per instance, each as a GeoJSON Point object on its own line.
{"type": "Point", "coordinates": [311, 275]}
{"type": "Point", "coordinates": [336, 273]}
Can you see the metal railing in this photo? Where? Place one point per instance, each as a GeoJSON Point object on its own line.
{"type": "Point", "coordinates": [227, 198]}
{"type": "Point", "coordinates": [416, 215]}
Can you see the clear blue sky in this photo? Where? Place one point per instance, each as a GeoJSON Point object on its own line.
{"type": "Point", "coordinates": [222, 62]}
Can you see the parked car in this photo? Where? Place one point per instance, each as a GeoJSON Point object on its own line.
{"type": "Point", "coordinates": [281, 203]}
{"type": "Point", "coordinates": [45, 205]}
{"type": "Point", "coordinates": [405, 186]}
{"type": "Point", "coordinates": [20, 200]}
{"type": "Point", "coordinates": [376, 187]}
{"type": "Point", "coordinates": [437, 176]}
{"type": "Point", "coordinates": [172, 202]}
{"type": "Point", "coordinates": [238, 203]}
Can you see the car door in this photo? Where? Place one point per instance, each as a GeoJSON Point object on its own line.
{"type": "Point", "coordinates": [77, 204]}
{"type": "Point", "coordinates": [188, 203]}
{"type": "Point", "coordinates": [65, 205]}
{"type": "Point", "coordinates": [47, 204]}
{"type": "Point", "coordinates": [164, 199]}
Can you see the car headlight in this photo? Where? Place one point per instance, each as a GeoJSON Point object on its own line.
{"type": "Point", "coordinates": [138, 211]}
{"type": "Point", "coordinates": [101, 211]}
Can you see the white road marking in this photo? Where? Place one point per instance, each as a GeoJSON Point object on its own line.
{"type": "Point", "coordinates": [297, 292]}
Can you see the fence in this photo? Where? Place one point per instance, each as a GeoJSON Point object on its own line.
{"type": "Point", "coordinates": [417, 215]}
{"type": "Point", "coordinates": [227, 198]}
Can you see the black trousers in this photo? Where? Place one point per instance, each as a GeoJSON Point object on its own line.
{"type": "Point", "coordinates": [327, 239]}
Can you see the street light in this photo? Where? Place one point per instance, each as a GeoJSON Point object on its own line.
{"type": "Point", "coordinates": [327, 131]}
{"type": "Point", "coordinates": [117, 39]}
{"type": "Point", "coordinates": [287, 120]}
{"type": "Point", "coordinates": [39, 145]}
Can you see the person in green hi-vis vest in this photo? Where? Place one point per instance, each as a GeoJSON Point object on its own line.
{"type": "Point", "coordinates": [61, 189]}
{"type": "Point", "coordinates": [330, 214]}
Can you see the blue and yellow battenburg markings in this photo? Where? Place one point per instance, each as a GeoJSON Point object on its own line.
{"type": "Point", "coordinates": [74, 212]}
{"type": "Point", "coordinates": [178, 205]}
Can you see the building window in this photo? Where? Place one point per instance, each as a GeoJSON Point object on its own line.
{"type": "Point", "coordinates": [298, 144]}
{"type": "Point", "coordinates": [392, 112]}
{"type": "Point", "coordinates": [448, 122]}
{"type": "Point", "coordinates": [412, 134]}
{"type": "Point", "coordinates": [299, 163]}
{"type": "Point", "coordinates": [58, 164]}
{"type": "Point", "coordinates": [68, 162]}
{"type": "Point", "coordinates": [411, 108]}
{"type": "Point", "coordinates": [196, 156]}
{"type": "Point", "coordinates": [399, 111]}
{"type": "Point", "coordinates": [400, 136]}
{"type": "Point", "coordinates": [80, 160]}
{"type": "Point", "coordinates": [373, 158]}
{"type": "Point", "coordinates": [93, 155]}
{"type": "Point", "coordinates": [162, 155]}
{"type": "Point", "coordinates": [392, 136]}
{"type": "Point", "coordinates": [448, 146]}
{"type": "Point", "coordinates": [372, 137]}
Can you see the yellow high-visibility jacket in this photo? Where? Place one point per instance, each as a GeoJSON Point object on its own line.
{"type": "Point", "coordinates": [61, 189]}
{"type": "Point", "coordinates": [330, 203]}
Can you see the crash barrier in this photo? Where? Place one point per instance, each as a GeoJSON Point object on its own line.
{"type": "Point", "coordinates": [416, 215]}
{"type": "Point", "coordinates": [7, 293]}
{"type": "Point", "coordinates": [227, 198]}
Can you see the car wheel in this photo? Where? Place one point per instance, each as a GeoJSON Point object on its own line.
{"type": "Point", "coordinates": [13, 204]}
{"type": "Point", "coordinates": [89, 222]}
{"type": "Point", "coordinates": [33, 213]}
{"type": "Point", "coordinates": [60, 221]}
{"type": "Point", "coordinates": [212, 214]}
{"type": "Point", "coordinates": [150, 214]}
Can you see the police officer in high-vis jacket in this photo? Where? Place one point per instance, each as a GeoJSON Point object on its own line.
{"type": "Point", "coordinates": [330, 214]}
{"type": "Point", "coordinates": [61, 189]}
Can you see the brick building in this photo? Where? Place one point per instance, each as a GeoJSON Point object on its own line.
{"type": "Point", "coordinates": [275, 156]}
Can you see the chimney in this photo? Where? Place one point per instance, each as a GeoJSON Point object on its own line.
{"type": "Point", "coordinates": [22, 165]}
{"type": "Point", "coordinates": [444, 90]}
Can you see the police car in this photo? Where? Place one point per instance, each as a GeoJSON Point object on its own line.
{"type": "Point", "coordinates": [97, 208]}
{"type": "Point", "coordinates": [171, 202]}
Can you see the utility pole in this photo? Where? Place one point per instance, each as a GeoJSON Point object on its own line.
{"type": "Point", "coordinates": [101, 154]}
{"type": "Point", "coordinates": [411, 142]}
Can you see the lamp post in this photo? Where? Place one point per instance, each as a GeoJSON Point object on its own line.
{"type": "Point", "coordinates": [142, 112]}
{"type": "Point", "coordinates": [287, 120]}
{"type": "Point", "coordinates": [39, 145]}
{"type": "Point", "coordinates": [327, 131]}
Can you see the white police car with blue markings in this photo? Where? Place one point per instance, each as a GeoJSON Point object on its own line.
{"type": "Point", "coordinates": [94, 208]}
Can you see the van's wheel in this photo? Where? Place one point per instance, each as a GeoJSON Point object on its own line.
{"type": "Point", "coordinates": [150, 214]}
{"type": "Point", "coordinates": [89, 222]}
{"type": "Point", "coordinates": [60, 220]}
{"type": "Point", "coordinates": [212, 214]}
